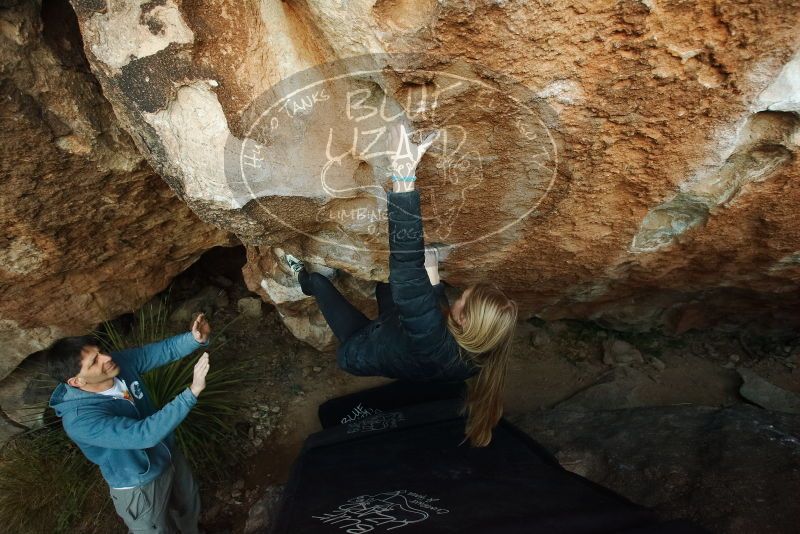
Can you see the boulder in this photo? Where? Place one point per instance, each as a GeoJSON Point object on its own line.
{"type": "Point", "coordinates": [621, 162]}
{"type": "Point", "coordinates": [205, 301]}
{"type": "Point", "coordinates": [767, 395]}
{"type": "Point", "coordinates": [618, 352]}
{"type": "Point", "coordinates": [733, 470]}
{"type": "Point", "coordinates": [622, 387]}
{"type": "Point", "coordinates": [90, 230]}
{"type": "Point", "coordinates": [25, 392]}
{"type": "Point", "coordinates": [264, 511]}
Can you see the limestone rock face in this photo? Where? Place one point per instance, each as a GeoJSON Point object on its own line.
{"type": "Point", "coordinates": [89, 230]}
{"type": "Point", "coordinates": [694, 462]}
{"type": "Point", "coordinates": [629, 162]}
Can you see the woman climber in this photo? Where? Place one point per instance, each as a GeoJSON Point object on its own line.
{"type": "Point", "coordinates": [412, 339]}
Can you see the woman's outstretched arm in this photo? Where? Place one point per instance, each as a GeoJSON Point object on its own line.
{"type": "Point", "coordinates": [412, 292]}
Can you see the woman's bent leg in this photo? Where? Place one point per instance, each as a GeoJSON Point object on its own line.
{"type": "Point", "coordinates": [343, 318]}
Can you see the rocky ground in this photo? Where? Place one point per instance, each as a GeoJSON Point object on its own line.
{"type": "Point", "coordinates": [562, 365]}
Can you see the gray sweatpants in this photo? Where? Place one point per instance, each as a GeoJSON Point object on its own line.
{"type": "Point", "coordinates": [168, 504]}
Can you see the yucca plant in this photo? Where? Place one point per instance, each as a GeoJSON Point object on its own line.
{"type": "Point", "coordinates": [150, 324]}
{"type": "Point", "coordinates": [207, 432]}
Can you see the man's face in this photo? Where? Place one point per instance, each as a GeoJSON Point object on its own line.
{"type": "Point", "coordinates": [96, 367]}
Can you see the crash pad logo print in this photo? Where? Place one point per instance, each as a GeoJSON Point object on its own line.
{"type": "Point", "coordinates": [376, 422]}
{"type": "Point", "coordinates": [382, 512]}
{"type": "Point", "coordinates": [359, 412]}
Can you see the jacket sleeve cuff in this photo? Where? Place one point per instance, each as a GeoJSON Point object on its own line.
{"type": "Point", "coordinates": [188, 397]}
{"type": "Point", "coordinates": [193, 343]}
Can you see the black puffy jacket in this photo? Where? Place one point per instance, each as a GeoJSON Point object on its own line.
{"type": "Point", "coordinates": [409, 340]}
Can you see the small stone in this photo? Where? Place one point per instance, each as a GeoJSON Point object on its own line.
{"type": "Point", "coordinates": [263, 511]}
{"type": "Point", "coordinates": [557, 327]}
{"type": "Point", "coordinates": [249, 307]}
{"type": "Point", "coordinates": [618, 352]}
{"type": "Point", "coordinates": [540, 338]}
{"type": "Point", "coordinates": [212, 512]}
{"type": "Point", "coordinates": [658, 364]}
{"type": "Point", "coordinates": [317, 369]}
{"type": "Point", "coordinates": [222, 300]}
{"type": "Point", "coordinates": [734, 358]}
{"type": "Point", "coordinates": [276, 409]}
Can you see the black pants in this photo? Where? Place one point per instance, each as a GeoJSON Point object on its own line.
{"type": "Point", "coordinates": [343, 318]}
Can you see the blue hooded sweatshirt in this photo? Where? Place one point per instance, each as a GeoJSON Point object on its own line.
{"type": "Point", "coordinates": [129, 442]}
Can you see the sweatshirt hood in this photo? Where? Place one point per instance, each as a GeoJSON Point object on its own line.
{"type": "Point", "coordinates": [66, 398]}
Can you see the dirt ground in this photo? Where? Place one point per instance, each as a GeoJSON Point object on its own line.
{"type": "Point", "coordinates": [551, 363]}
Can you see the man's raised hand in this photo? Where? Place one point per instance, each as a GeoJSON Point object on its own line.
{"type": "Point", "coordinates": [199, 376]}
{"type": "Point", "coordinates": [201, 329]}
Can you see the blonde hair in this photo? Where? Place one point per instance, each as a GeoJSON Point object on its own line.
{"type": "Point", "coordinates": [486, 332]}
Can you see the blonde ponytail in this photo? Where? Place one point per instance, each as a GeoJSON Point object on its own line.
{"type": "Point", "coordinates": [485, 334]}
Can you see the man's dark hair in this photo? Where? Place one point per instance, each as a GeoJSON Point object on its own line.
{"type": "Point", "coordinates": [64, 356]}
